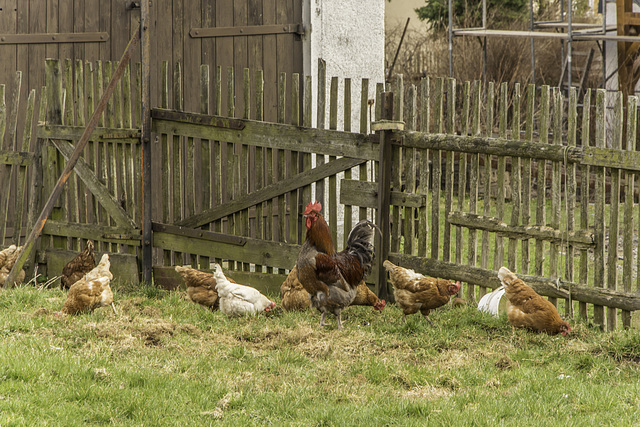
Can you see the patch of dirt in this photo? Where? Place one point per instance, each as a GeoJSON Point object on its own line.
{"type": "Point", "coordinates": [505, 362]}
{"type": "Point", "coordinates": [154, 331]}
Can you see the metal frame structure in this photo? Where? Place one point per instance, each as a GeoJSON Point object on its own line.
{"type": "Point", "coordinates": [574, 32]}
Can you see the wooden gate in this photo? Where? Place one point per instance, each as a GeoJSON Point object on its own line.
{"type": "Point", "coordinates": [233, 189]}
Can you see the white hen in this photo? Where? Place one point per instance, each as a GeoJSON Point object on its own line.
{"type": "Point", "coordinates": [239, 300]}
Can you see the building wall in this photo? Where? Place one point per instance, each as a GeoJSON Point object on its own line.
{"type": "Point", "coordinates": [350, 38]}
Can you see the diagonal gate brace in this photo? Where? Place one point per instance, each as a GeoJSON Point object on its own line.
{"type": "Point", "coordinates": [73, 159]}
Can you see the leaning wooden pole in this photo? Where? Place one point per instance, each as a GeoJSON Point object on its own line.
{"type": "Point", "coordinates": [145, 50]}
{"type": "Point", "coordinates": [66, 173]}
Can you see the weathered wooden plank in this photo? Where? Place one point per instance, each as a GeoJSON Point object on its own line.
{"type": "Point", "coordinates": [570, 189]}
{"type": "Point", "coordinates": [269, 192]}
{"type": "Point", "coordinates": [526, 176]}
{"type": "Point", "coordinates": [474, 172]}
{"type": "Point", "coordinates": [73, 133]}
{"type": "Point", "coordinates": [320, 121]}
{"type": "Point", "coordinates": [17, 158]}
{"type": "Point", "coordinates": [54, 38]}
{"type": "Point", "coordinates": [263, 252]}
{"type": "Point", "coordinates": [629, 190]}
{"type": "Point", "coordinates": [409, 156]}
{"type": "Point", "coordinates": [599, 208]}
{"type": "Point", "coordinates": [332, 210]}
{"type": "Point", "coordinates": [584, 198]}
{"type": "Point", "coordinates": [486, 205]}
{"type": "Point", "coordinates": [617, 127]}
{"type": "Point", "coordinates": [364, 130]}
{"type": "Point", "coordinates": [22, 172]}
{"type": "Point", "coordinates": [462, 165]}
{"type": "Point", "coordinates": [273, 135]}
{"type": "Point", "coordinates": [580, 238]}
{"type": "Point", "coordinates": [555, 186]}
{"type": "Point", "coordinates": [96, 232]}
{"type": "Point", "coordinates": [498, 256]}
{"type": "Point", "coordinates": [177, 153]}
{"type": "Point", "coordinates": [449, 169]}
{"type": "Point", "coordinates": [164, 159]}
{"type": "Point", "coordinates": [436, 171]}
{"type": "Point", "coordinates": [516, 182]}
{"type": "Point", "coordinates": [542, 285]}
{"type": "Point", "coordinates": [423, 161]}
{"type": "Point", "coordinates": [541, 186]}
{"type": "Point", "coordinates": [362, 193]}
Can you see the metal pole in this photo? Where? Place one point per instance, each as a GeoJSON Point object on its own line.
{"type": "Point", "coordinates": [450, 38]}
{"type": "Point", "coordinates": [145, 55]}
{"type": "Point", "coordinates": [569, 51]}
{"type": "Point", "coordinates": [484, 48]}
{"type": "Point", "coordinates": [71, 162]}
{"type": "Point", "coordinates": [533, 50]}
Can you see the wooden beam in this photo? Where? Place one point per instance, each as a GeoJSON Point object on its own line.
{"type": "Point", "coordinates": [263, 252]}
{"type": "Point", "coordinates": [270, 135]}
{"type": "Point", "coordinates": [579, 238]}
{"type": "Point", "coordinates": [96, 232]}
{"type": "Point", "coordinates": [365, 194]}
{"type": "Point", "coordinates": [53, 38]}
{"type": "Point", "coordinates": [247, 30]}
{"type": "Point", "coordinates": [16, 158]}
{"type": "Point", "coordinates": [490, 146]}
{"type": "Point", "coordinates": [74, 133]}
{"type": "Point", "coordinates": [269, 192]}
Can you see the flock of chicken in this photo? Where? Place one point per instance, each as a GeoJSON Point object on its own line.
{"type": "Point", "coordinates": [322, 278]}
{"type": "Point", "coordinates": [330, 281]}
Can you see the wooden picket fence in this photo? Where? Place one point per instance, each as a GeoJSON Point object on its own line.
{"type": "Point", "coordinates": [479, 178]}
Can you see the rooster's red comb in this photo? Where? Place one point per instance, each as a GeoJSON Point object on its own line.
{"type": "Point", "coordinates": [314, 206]}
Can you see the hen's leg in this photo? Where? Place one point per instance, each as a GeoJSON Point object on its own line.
{"type": "Point", "coordinates": [324, 314]}
{"type": "Point", "coordinates": [339, 318]}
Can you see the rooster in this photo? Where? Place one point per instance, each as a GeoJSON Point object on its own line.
{"type": "Point", "coordinates": [527, 309]}
{"type": "Point", "coordinates": [295, 297]}
{"type": "Point", "coordinates": [239, 300]}
{"type": "Point", "coordinates": [415, 292]}
{"type": "Point", "coordinates": [75, 269]}
{"type": "Point", "coordinates": [331, 278]}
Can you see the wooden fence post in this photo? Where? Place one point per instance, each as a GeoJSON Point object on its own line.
{"type": "Point", "coordinates": [384, 191]}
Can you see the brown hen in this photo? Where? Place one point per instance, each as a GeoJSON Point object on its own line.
{"type": "Point", "coordinates": [92, 291]}
{"type": "Point", "coordinates": [201, 286]}
{"type": "Point", "coordinates": [527, 309]}
{"type": "Point", "coordinates": [415, 292]}
{"type": "Point", "coordinates": [8, 258]}
{"type": "Point", "coordinates": [75, 269]}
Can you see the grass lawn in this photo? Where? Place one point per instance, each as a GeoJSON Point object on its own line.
{"type": "Point", "coordinates": [162, 360]}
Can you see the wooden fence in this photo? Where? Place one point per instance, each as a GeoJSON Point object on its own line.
{"type": "Point", "coordinates": [520, 178]}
